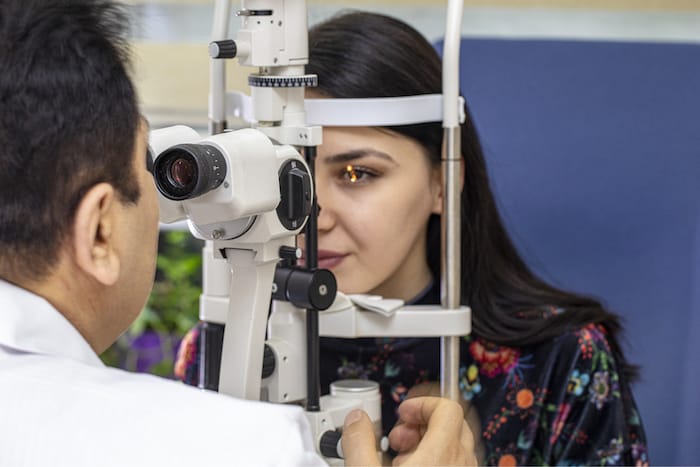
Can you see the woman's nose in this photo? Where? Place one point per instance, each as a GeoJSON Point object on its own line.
{"type": "Point", "coordinates": [325, 221]}
{"type": "Point", "coordinates": [325, 214]}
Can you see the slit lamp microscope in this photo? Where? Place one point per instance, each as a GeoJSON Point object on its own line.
{"type": "Point", "coordinates": [249, 192]}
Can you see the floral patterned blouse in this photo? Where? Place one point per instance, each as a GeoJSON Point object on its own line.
{"type": "Point", "coordinates": [559, 402]}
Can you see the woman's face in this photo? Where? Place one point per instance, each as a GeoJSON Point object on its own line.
{"type": "Point", "coordinates": [376, 190]}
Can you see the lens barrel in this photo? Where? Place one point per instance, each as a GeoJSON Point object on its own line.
{"type": "Point", "coordinates": [187, 171]}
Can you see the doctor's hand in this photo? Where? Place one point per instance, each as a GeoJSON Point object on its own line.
{"type": "Point", "coordinates": [431, 431]}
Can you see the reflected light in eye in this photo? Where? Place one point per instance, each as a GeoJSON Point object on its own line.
{"type": "Point", "coordinates": [351, 171]}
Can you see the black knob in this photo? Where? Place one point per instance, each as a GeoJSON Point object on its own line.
{"type": "Point", "coordinates": [295, 193]}
{"type": "Point", "coordinates": [305, 289]}
{"type": "Point", "coordinates": [268, 362]}
{"type": "Point", "coordinates": [223, 49]}
{"type": "Point", "coordinates": [289, 252]}
{"type": "Point", "coordinates": [330, 444]}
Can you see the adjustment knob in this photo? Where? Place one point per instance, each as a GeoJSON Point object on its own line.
{"type": "Point", "coordinates": [296, 195]}
{"type": "Point", "coordinates": [305, 289]}
{"type": "Point", "coordinates": [223, 49]}
{"type": "Point", "coordinates": [273, 81]}
{"type": "Point", "coordinates": [330, 445]}
{"type": "Point", "coordinates": [268, 362]}
{"type": "Point", "coordinates": [289, 252]}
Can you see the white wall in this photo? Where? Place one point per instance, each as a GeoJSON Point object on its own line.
{"type": "Point", "coordinates": [171, 36]}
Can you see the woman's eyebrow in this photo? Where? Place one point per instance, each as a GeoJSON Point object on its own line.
{"type": "Point", "coordinates": [349, 156]}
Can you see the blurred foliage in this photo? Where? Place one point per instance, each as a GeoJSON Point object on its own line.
{"type": "Point", "coordinates": [150, 344]}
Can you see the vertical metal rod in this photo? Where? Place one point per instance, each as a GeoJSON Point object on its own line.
{"type": "Point", "coordinates": [217, 70]}
{"type": "Point", "coordinates": [451, 258]}
{"type": "Point", "coordinates": [313, 370]}
{"type": "Point", "coordinates": [452, 187]}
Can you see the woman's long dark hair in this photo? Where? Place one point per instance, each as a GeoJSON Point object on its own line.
{"type": "Point", "coordinates": [358, 55]}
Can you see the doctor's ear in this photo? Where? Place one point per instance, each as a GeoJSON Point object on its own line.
{"type": "Point", "coordinates": [93, 240]}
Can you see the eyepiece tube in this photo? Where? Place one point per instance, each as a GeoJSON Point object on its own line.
{"type": "Point", "coordinates": [187, 171]}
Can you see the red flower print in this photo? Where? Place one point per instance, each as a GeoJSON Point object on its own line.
{"type": "Point", "coordinates": [494, 360]}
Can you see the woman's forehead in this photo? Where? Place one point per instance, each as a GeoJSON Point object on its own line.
{"type": "Point", "coordinates": [347, 139]}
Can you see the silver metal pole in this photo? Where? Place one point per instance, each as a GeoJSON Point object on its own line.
{"type": "Point", "coordinates": [450, 292]}
{"type": "Point", "coordinates": [451, 255]}
{"type": "Point", "coordinates": [217, 70]}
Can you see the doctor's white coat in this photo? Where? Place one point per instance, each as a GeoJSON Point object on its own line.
{"type": "Point", "coordinates": [60, 406]}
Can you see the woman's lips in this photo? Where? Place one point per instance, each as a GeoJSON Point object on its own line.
{"type": "Point", "coordinates": [326, 259]}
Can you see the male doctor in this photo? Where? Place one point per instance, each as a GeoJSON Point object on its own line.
{"type": "Point", "coordinates": [78, 234]}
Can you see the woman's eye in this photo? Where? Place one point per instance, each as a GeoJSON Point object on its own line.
{"type": "Point", "coordinates": [354, 174]}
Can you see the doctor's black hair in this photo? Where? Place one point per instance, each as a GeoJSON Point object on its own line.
{"type": "Point", "coordinates": [68, 120]}
{"type": "Point", "coordinates": [360, 55]}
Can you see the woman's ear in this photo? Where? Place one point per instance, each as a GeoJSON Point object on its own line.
{"type": "Point", "coordinates": [93, 241]}
{"type": "Point", "coordinates": [437, 187]}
